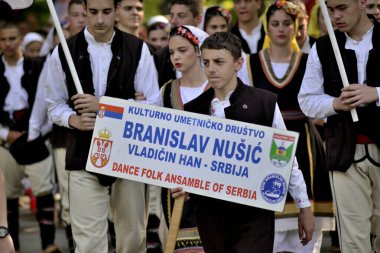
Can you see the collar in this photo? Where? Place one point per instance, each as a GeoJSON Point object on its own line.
{"type": "Point", "coordinates": [20, 62]}
{"type": "Point", "coordinates": [91, 39]}
{"type": "Point", "coordinates": [366, 35]}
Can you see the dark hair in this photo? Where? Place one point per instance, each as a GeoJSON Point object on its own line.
{"type": "Point", "coordinates": [9, 25]}
{"type": "Point", "coordinates": [215, 11]}
{"type": "Point", "coordinates": [195, 6]}
{"type": "Point", "coordinates": [224, 40]}
{"type": "Point", "coordinates": [158, 26]}
{"type": "Point", "coordinates": [273, 8]}
{"type": "Point", "coordinates": [72, 2]}
{"type": "Point", "coordinates": [115, 2]}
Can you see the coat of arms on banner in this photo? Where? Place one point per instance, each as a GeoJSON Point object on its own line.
{"type": "Point", "coordinates": [101, 148]}
{"type": "Point", "coordinates": [281, 149]}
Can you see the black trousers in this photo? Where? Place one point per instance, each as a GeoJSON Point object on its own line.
{"type": "Point", "coordinates": [226, 227]}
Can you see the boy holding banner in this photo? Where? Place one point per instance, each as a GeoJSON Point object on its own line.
{"type": "Point", "coordinates": [225, 226]}
{"type": "Point", "coordinates": [352, 148]}
{"type": "Point", "coordinates": [113, 63]}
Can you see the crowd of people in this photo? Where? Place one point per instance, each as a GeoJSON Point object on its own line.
{"type": "Point", "coordinates": [273, 66]}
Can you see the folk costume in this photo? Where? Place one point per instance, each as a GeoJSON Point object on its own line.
{"type": "Point", "coordinates": [18, 86]}
{"type": "Point", "coordinates": [285, 79]}
{"type": "Point", "coordinates": [229, 227]}
{"type": "Point", "coordinates": [174, 95]}
{"type": "Point", "coordinates": [101, 69]}
{"type": "Point", "coordinates": [352, 148]}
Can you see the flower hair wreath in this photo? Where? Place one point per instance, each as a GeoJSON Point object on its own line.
{"type": "Point", "coordinates": [225, 13]}
{"type": "Point", "coordinates": [184, 32]}
{"type": "Point", "coordinates": [289, 7]}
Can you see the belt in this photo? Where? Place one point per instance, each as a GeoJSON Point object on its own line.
{"type": "Point", "coordinates": [363, 139]}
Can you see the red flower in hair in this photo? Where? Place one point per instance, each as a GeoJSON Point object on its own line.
{"type": "Point", "coordinates": [187, 34]}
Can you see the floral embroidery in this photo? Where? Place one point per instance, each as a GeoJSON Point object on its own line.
{"type": "Point", "coordinates": [289, 7]}
{"type": "Point", "coordinates": [225, 13]}
{"type": "Point", "coordinates": [184, 32]}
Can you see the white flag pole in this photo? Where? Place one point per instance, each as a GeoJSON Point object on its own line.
{"type": "Point", "coordinates": [338, 57]}
{"type": "Point", "coordinates": [66, 51]}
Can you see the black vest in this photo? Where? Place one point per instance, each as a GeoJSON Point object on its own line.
{"type": "Point", "coordinates": [244, 44]}
{"type": "Point", "coordinates": [164, 66]}
{"type": "Point", "coordinates": [126, 51]}
{"type": "Point", "coordinates": [29, 81]}
{"type": "Point", "coordinates": [340, 130]}
{"type": "Point", "coordinates": [248, 104]}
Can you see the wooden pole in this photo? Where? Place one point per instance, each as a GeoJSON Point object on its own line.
{"type": "Point", "coordinates": [338, 56]}
{"type": "Point", "coordinates": [66, 51]}
{"type": "Point", "coordinates": [174, 224]}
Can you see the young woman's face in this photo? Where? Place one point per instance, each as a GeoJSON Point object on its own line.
{"type": "Point", "coordinates": [280, 28]}
{"type": "Point", "coordinates": [182, 53]}
{"type": "Point", "coordinates": [216, 24]}
{"type": "Point", "coordinates": [158, 38]}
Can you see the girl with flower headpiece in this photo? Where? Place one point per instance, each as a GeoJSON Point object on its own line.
{"type": "Point", "coordinates": [185, 55]}
{"type": "Point", "coordinates": [279, 68]}
{"type": "Point", "coordinates": [216, 19]}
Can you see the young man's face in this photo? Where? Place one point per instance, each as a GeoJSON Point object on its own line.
{"type": "Point", "coordinates": [10, 41]}
{"type": "Point", "coordinates": [77, 18]}
{"type": "Point", "coordinates": [247, 10]}
{"type": "Point", "coordinates": [101, 19]}
{"type": "Point", "coordinates": [373, 7]}
{"type": "Point", "coordinates": [181, 15]}
{"type": "Point", "coordinates": [345, 14]}
{"type": "Point", "coordinates": [221, 68]}
{"type": "Point", "coordinates": [302, 30]}
{"type": "Point", "coordinates": [130, 14]}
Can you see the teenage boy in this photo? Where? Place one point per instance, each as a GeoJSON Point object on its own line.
{"type": "Point", "coordinates": [129, 17]}
{"type": "Point", "coordinates": [249, 28]}
{"type": "Point", "coordinates": [225, 226]}
{"type": "Point", "coordinates": [352, 148]}
{"type": "Point", "coordinates": [112, 63]}
{"type": "Point", "coordinates": [182, 12]}
{"type": "Point", "coordinates": [18, 84]}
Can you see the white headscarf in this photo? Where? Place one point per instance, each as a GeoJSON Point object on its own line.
{"type": "Point", "coordinates": [200, 34]}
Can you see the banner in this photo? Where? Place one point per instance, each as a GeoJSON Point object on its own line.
{"type": "Point", "coordinates": [225, 159]}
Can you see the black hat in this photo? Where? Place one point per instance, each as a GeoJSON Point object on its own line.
{"type": "Point", "coordinates": [25, 152]}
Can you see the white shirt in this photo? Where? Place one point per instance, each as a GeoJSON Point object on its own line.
{"type": "Point", "coordinates": [39, 123]}
{"type": "Point", "coordinates": [297, 185]}
{"type": "Point", "coordinates": [312, 98]}
{"type": "Point", "coordinates": [56, 94]}
{"type": "Point", "coordinates": [253, 38]}
{"type": "Point", "coordinates": [306, 45]}
{"type": "Point", "coordinates": [17, 97]}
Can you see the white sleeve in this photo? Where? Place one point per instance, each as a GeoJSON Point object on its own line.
{"type": "Point", "coordinates": [56, 94]}
{"type": "Point", "coordinates": [243, 72]}
{"type": "Point", "coordinates": [4, 131]}
{"type": "Point", "coordinates": [39, 123]}
{"type": "Point", "coordinates": [146, 80]}
{"type": "Point", "coordinates": [297, 185]}
{"type": "Point", "coordinates": [311, 97]}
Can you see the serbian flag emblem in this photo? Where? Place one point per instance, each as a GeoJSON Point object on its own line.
{"type": "Point", "coordinates": [110, 111]}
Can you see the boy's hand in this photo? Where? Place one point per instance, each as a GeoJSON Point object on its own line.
{"type": "Point", "coordinates": [85, 103]}
{"type": "Point", "coordinates": [83, 122]}
{"type": "Point", "coordinates": [357, 94]}
{"type": "Point", "coordinates": [13, 135]}
{"type": "Point", "coordinates": [178, 192]}
{"type": "Point", "coordinates": [139, 96]}
{"type": "Point", "coordinates": [306, 225]}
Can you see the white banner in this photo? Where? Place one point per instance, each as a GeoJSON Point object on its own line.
{"type": "Point", "coordinates": [225, 159]}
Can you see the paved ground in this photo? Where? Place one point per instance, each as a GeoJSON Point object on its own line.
{"type": "Point", "coordinates": [30, 243]}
